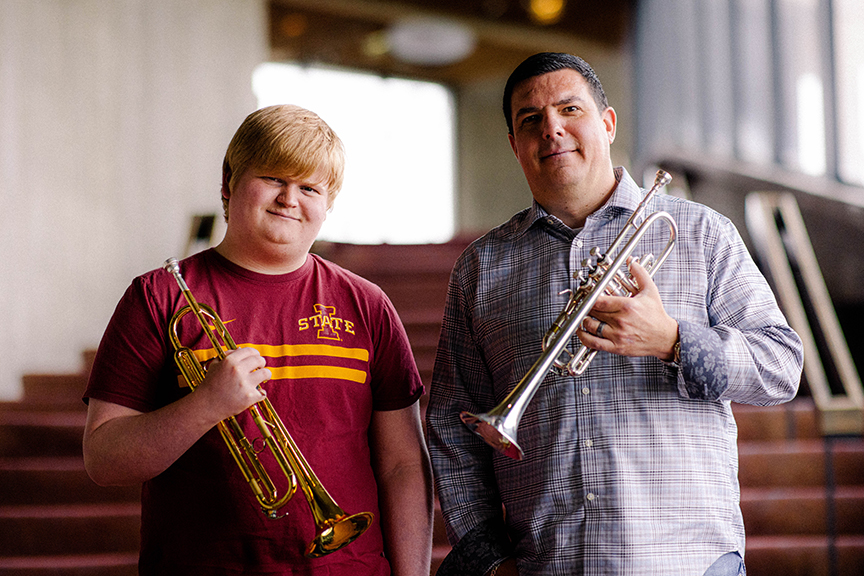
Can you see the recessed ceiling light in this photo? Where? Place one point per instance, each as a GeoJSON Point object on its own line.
{"type": "Point", "coordinates": [430, 41]}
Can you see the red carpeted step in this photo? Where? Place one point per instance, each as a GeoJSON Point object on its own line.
{"type": "Point", "coordinates": [57, 480]}
{"type": "Point", "coordinates": [804, 555]}
{"type": "Point", "coordinates": [28, 433]}
{"type": "Point", "coordinates": [113, 564]}
{"type": "Point", "coordinates": [790, 421]}
{"type": "Point", "coordinates": [55, 390]}
{"type": "Point", "coordinates": [65, 529]}
{"type": "Point", "coordinates": [800, 462]}
{"type": "Point", "coordinates": [802, 511]}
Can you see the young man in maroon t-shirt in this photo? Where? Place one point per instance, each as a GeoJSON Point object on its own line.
{"type": "Point", "coordinates": [323, 345]}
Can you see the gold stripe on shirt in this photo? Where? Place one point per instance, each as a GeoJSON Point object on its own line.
{"type": "Point", "coordinates": [305, 371]}
{"type": "Point", "coordinates": [295, 350]}
{"type": "Point", "coordinates": [312, 350]}
{"type": "Point", "coordinates": [300, 372]}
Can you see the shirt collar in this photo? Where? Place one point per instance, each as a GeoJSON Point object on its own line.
{"type": "Point", "coordinates": [625, 198]}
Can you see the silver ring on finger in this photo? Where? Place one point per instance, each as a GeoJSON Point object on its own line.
{"type": "Point", "coordinates": [600, 328]}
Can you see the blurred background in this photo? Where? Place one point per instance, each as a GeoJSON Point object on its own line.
{"type": "Point", "coordinates": [115, 116]}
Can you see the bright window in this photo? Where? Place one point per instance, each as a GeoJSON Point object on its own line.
{"type": "Point", "coordinates": [803, 76]}
{"type": "Point", "coordinates": [849, 47]}
{"type": "Point", "coordinates": [399, 142]}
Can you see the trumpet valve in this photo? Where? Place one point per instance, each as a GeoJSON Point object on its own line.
{"type": "Point", "coordinates": [596, 258]}
{"type": "Point", "coordinates": [621, 285]}
{"type": "Point", "coordinates": [647, 261]}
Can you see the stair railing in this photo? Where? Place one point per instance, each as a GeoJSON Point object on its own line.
{"type": "Point", "coordinates": [783, 248]}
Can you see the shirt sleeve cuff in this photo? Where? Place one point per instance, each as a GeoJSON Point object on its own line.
{"type": "Point", "coordinates": [480, 550]}
{"type": "Point", "coordinates": [702, 372]}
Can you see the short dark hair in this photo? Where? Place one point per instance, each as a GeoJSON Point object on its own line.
{"type": "Point", "coordinates": [546, 62]}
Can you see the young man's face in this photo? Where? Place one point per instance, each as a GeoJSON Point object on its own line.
{"type": "Point", "coordinates": [560, 137]}
{"type": "Point", "coordinates": [270, 211]}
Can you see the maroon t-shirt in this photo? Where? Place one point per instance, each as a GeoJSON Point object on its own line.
{"type": "Point", "coordinates": [337, 351]}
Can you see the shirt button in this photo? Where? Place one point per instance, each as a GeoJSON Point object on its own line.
{"type": "Point", "coordinates": [591, 496]}
{"type": "Point", "coordinates": [578, 243]}
{"type": "Point", "coordinates": [589, 443]}
{"type": "Point", "coordinates": [586, 390]}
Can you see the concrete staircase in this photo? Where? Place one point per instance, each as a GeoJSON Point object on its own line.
{"type": "Point", "coordinates": [802, 495]}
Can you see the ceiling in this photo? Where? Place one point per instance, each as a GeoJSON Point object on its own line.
{"type": "Point", "coordinates": [352, 33]}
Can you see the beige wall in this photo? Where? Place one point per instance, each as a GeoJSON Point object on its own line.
{"type": "Point", "coordinates": [114, 117]}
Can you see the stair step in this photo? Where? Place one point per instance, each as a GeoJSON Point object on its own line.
{"type": "Point", "coordinates": [116, 564]}
{"type": "Point", "coordinates": [772, 555]}
{"type": "Point", "coordinates": [395, 259]}
{"type": "Point", "coordinates": [804, 556]}
{"type": "Point", "coordinates": [69, 528]}
{"type": "Point", "coordinates": [88, 356]}
{"type": "Point", "coordinates": [793, 420]}
{"type": "Point", "coordinates": [800, 462]}
{"type": "Point", "coordinates": [54, 389]}
{"type": "Point", "coordinates": [802, 511]}
{"type": "Point", "coordinates": [59, 480]}
{"type": "Point", "coordinates": [422, 330]}
{"type": "Point", "coordinates": [34, 433]}
{"type": "Point", "coordinates": [425, 360]}
{"type": "Point", "coordinates": [415, 277]}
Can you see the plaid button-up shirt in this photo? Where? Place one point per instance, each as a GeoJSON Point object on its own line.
{"type": "Point", "coordinates": [630, 468]}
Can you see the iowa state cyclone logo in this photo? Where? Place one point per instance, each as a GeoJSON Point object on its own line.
{"type": "Point", "coordinates": [329, 326]}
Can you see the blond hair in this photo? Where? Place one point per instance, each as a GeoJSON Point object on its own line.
{"type": "Point", "coordinates": [288, 141]}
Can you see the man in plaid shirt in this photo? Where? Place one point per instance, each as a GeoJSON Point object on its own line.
{"type": "Point", "coordinates": [631, 467]}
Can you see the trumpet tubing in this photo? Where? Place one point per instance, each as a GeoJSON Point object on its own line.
{"type": "Point", "coordinates": [606, 275]}
{"type": "Point", "coordinates": [334, 528]}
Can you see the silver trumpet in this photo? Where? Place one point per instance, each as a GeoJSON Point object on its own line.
{"type": "Point", "coordinates": [605, 276]}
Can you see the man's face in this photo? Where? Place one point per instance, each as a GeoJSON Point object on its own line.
{"type": "Point", "coordinates": [560, 138]}
{"type": "Point", "coordinates": [269, 210]}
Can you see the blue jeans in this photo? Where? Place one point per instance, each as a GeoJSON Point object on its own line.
{"type": "Point", "coordinates": [730, 564]}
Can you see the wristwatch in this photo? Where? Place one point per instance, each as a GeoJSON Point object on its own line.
{"type": "Point", "coordinates": [676, 352]}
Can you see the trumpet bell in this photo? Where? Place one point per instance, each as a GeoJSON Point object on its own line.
{"type": "Point", "coordinates": [493, 430]}
{"type": "Point", "coordinates": [339, 533]}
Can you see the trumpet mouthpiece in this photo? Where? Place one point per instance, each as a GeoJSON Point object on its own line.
{"type": "Point", "coordinates": [171, 265]}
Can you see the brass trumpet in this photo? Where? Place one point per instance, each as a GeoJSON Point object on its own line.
{"type": "Point", "coordinates": [335, 529]}
{"type": "Point", "coordinates": [498, 426]}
